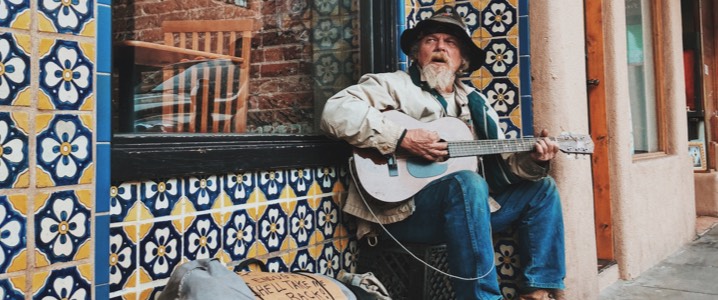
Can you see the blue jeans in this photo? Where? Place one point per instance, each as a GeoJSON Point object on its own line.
{"type": "Point", "coordinates": [455, 210]}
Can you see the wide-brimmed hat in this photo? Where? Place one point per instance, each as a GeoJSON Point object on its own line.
{"type": "Point", "coordinates": [445, 20]}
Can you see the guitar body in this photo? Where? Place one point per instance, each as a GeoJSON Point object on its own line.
{"type": "Point", "coordinates": [390, 180]}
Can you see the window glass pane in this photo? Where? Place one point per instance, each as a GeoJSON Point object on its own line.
{"type": "Point", "coordinates": [641, 76]}
{"type": "Point", "coordinates": [230, 66]}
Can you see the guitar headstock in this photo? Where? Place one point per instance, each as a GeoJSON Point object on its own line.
{"type": "Point", "coordinates": [575, 143]}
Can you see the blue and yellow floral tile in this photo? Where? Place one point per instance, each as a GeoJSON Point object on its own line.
{"type": "Point", "coordinates": [326, 177]}
{"type": "Point", "coordinates": [500, 18]}
{"type": "Point", "coordinates": [64, 149]}
{"type": "Point", "coordinates": [160, 250]}
{"type": "Point", "coordinates": [302, 223]}
{"type": "Point", "coordinates": [202, 191]}
{"type": "Point", "coordinates": [123, 199]}
{"type": "Point", "coordinates": [272, 183]}
{"type": "Point", "coordinates": [62, 226]}
{"type": "Point", "coordinates": [66, 75]}
{"type": "Point", "coordinates": [13, 229]}
{"type": "Point", "coordinates": [276, 264]}
{"type": "Point", "coordinates": [12, 288]}
{"type": "Point", "coordinates": [202, 238]}
{"type": "Point", "coordinates": [240, 236]}
{"type": "Point", "coordinates": [470, 14]}
{"type": "Point", "coordinates": [300, 181]}
{"type": "Point", "coordinates": [159, 197]}
{"type": "Point", "coordinates": [15, 68]}
{"type": "Point", "coordinates": [502, 57]}
{"type": "Point", "coordinates": [506, 259]}
{"type": "Point", "coordinates": [503, 96]}
{"type": "Point", "coordinates": [14, 170]}
{"type": "Point", "coordinates": [239, 186]}
{"type": "Point", "coordinates": [68, 17]}
{"type": "Point", "coordinates": [303, 261]}
{"type": "Point", "coordinates": [512, 131]}
{"type": "Point", "coordinates": [327, 219]}
{"type": "Point", "coordinates": [329, 260]}
{"type": "Point", "coordinates": [272, 228]}
{"type": "Point", "coordinates": [68, 283]}
{"type": "Point", "coordinates": [15, 14]}
{"type": "Point", "coordinates": [350, 256]}
{"type": "Point", "coordinates": [123, 258]}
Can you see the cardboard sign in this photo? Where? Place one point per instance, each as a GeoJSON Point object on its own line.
{"type": "Point", "coordinates": [291, 286]}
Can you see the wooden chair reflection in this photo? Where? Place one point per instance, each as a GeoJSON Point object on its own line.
{"type": "Point", "coordinates": [217, 88]}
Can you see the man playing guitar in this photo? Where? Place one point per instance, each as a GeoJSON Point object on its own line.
{"type": "Point", "coordinates": [460, 208]}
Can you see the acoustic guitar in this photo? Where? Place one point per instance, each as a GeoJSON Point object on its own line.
{"type": "Point", "coordinates": [397, 177]}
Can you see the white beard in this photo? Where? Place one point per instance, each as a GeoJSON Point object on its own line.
{"type": "Point", "coordinates": [439, 77]}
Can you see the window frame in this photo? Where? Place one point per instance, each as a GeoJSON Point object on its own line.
{"type": "Point", "coordinates": [149, 156]}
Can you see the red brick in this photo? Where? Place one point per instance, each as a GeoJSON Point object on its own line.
{"type": "Point", "coordinates": [273, 54]}
{"type": "Point", "coordinates": [279, 69]}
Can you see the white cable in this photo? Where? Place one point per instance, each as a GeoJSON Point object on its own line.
{"type": "Point", "coordinates": [352, 172]}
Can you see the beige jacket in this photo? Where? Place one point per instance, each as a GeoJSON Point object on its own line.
{"type": "Point", "coordinates": [354, 115]}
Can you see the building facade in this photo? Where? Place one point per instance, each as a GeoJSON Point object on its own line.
{"type": "Point", "coordinates": [125, 155]}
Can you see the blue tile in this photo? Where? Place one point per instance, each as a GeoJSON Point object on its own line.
{"type": "Point", "coordinates": [104, 39]}
{"type": "Point", "coordinates": [527, 115]}
{"type": "Point", "coordinates": [104, 108]}
{"type": "Point", "coordinates": [102, 250]}
{"type": "Point", "coordinates": [102, 179]}
{"type": "Point", "coordinates": [523, 7]}
{"type": "Point", "coordinates": [109, 2]}
{"type": "Point", "coordinates": [524, 37]}
{"type": "Point", "coordinates": [102, 292]}
{"type": "Point", "coordinates": [400, 13]}
{"type": "Point", "coordinates": [525, 64]}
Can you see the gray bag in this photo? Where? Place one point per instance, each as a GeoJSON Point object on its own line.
{"type": "Point", "coordinates": [205, 279]}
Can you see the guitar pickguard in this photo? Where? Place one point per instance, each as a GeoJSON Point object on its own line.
{"type": "Point", "coordinates": [421, 168]}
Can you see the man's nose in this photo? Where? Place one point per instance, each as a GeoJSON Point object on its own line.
{"type": "Point", "coordinates": [440, 47]}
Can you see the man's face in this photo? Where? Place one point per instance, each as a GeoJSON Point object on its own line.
{"type": "Point", "coordinates": [440, 49]}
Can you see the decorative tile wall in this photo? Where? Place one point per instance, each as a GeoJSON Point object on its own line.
{"type": "Point", "coordinates": [51, 227]}
{"type": "Point", "coordinates": [288, 218]}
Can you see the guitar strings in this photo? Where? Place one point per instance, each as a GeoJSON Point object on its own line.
{"type": "Point", "coordinates": [352, 173]}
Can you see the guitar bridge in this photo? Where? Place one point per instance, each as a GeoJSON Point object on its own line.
{"type": "Point", "coordinates": [392, 166]}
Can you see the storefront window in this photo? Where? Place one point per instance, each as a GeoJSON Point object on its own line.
{"type": "Point", "coordinates": [230, 66]}
{"type": "Point", "coordinates": [642, 76]}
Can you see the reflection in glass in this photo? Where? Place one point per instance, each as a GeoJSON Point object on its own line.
{"type": "Point", "coordinates": [641, 80]}
{"type": "Point", "coordinates": [174, 75]}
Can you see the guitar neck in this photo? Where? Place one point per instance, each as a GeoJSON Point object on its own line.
{"type": "Point", "coordinates": [485, 147]}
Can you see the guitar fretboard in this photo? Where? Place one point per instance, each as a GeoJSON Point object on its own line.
{"type": "Point", "coordinates": [484, 147]}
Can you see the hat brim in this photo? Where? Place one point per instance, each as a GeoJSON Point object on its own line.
{"type": "Point", "coordinates": [475, 54]}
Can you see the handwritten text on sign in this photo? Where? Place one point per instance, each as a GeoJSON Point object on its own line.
{"type": "Point", "coordinates": [291, 286]}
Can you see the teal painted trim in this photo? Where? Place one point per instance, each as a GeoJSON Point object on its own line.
{"type": "Point", "coordinates": [104, 107]}
{"type": "Point", "coordinates": [102, 178]}
{"type": "Point", "coordinates": [102, 250]}
{"type": "Point", "coordinates": [104, 39]}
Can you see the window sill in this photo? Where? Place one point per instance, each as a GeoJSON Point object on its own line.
{"type": "Point", "coordinates": [148, 156]}
{"type": "Point", "coordinates": [647, 156]}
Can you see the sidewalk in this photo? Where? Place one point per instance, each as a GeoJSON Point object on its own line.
{"type": "Point", "coordinates": [689, 274]}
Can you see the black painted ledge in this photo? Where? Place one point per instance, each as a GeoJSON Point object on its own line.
{"type": "Point", "coordinates": [141, 157]}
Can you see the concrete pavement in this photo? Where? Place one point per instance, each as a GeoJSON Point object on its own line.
{"type": "Point", "coordinates": [689, 274]}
